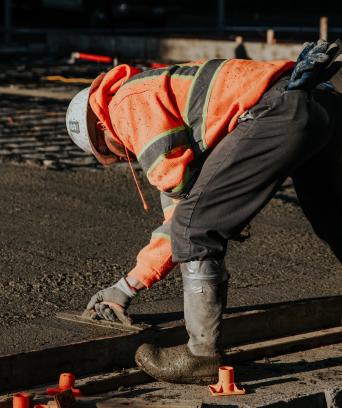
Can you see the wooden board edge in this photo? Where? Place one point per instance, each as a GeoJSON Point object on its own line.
{"type": "Point", "coordinates": [190, 404]}
{"type": "Point", "coordinates": [101, 323]}
{"type": "Point", "coordinates": [286, 345]}
{"type": "Point", "coordinates": [37, 93]}
{"type": "Point", "coordinates": [136, 377]}
{"type": "Point", "coordinates": [136, 402]}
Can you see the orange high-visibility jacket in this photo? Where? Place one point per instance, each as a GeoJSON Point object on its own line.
{"type": "Point", "coordinates": [172, 118]}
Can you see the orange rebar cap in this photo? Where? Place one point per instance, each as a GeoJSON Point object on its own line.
{"type": "Point", "coordinates": [42, 406]}
{"type": "Point", "coordinates": [21, 401]}
{"type": "Point", "coordinates": [66, 381]}
{"type": "Point", "coordinates": [226, 384]}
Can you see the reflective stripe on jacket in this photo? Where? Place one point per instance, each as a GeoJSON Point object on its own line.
{"type": "Point", "coordinates": [171, 118]}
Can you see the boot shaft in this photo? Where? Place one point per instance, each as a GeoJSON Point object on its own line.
{"type": "Point", "coordinates": [205, 300]}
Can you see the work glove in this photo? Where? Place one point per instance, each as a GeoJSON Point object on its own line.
{"type": "Point", "coordinates": [121, 293]}
{"type": "Point", "coordinates": [311, 63]}
{"type": "Point", "coordinates": [333, 72]}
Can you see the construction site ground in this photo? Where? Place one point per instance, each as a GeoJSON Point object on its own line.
{"type": "Point", "coordinates": [66, 234]}
{"type": "Point", "coordinates": [70, 227]}
{"type": "Point", "coordinates": [309, 379]}
{"type": "Point", "coordinates": [306, 379]}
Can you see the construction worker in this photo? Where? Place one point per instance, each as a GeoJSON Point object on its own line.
{"type": "Point", "coordinates": [218, 138]}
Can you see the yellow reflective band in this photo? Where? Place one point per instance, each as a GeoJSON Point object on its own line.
{"type": "Point", "coordinates": [183, 76]}
{"type": "Point", "coordinates": [134, 81]}
{"type": "Point", "coordinates": [160, 235]}
{"type": "Point", "coordinates": [170, 207]}
{"type": "Point", "coordinates": [167, 132]}
{"type": "Point", "coordinates": [183, 183]}
{"type": "Point", "coordinates": [188, 65]}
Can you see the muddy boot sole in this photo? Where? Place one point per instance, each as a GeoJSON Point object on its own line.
{"type": "Point", "coordinates": [178, 365]}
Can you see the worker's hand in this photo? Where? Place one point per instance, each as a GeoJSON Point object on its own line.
{"type": "Point", "coordinates": [112, 303]}
{"type": "Point", "coordinates": [111, 311]}
{"type": "Point", "coordinates": [312, 60]}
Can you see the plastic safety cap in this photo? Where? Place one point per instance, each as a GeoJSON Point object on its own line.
{"type": "Point", "coordinates": [226, 384]}
{"type": "Point", "coordinates": [21, 400]}
{"type": "Point", "coordinates": [66, 381]}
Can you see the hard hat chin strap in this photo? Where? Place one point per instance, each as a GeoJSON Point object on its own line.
{"type": "Point", "coordinates": [136, 181]}
{"type": "Point", "coordinates": [100, 140]}
{"type": "Point", "coordinates": [102, 144]}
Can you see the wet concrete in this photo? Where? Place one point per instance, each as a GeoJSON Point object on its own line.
{"type": "Point", "coordinates": [65, 235]}
{"type": "Point", "coordinates": [307, 379]}
{"type": "Point", "coordinates": [300, 380]}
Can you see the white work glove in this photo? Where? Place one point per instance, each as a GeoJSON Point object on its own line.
{"type": "Point", "coordinates": [121, 293]}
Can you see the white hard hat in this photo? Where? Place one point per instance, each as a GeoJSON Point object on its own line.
{"type": "Point", "coordinates": [81, 124]}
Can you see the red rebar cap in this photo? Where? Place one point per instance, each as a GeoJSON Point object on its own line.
{"type": "Point", "coordinates": [21, 400]}
{"type": "Point", "coordinates": [226, 384]}
{"type": "Point", "coordinates": [66, 381]}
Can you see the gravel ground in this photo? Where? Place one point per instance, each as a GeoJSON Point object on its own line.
{"type": "Point", "coordinates": [64, 235]}
{"type": "Point", "coordinates": [293, 380]}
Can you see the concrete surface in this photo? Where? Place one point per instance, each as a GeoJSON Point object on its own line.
{"type": "Point", "coordinates": [310, 379]}
{"type": "Point", "coordinates": [67, 234]}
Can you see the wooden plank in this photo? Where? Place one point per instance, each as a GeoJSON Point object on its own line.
{"type": "Point", "coordinates": [297, 317]}
{"type": "Point", "coordinates": [105, 354]}
{"type": "Point", "coordinates": [285, 345]}
{"type": "Point", "coordinates": [96, 384]}
{"type": "Point", "coordinates": [38, 93]}
{"type": "Point", "coordinates": [135, 402]}
{"type": "Point", "coordinates": [112, 381]}
{"type": "Point", "coordinates": [141, 403]}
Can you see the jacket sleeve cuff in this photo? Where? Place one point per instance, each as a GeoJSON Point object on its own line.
{"type": "Point", "coordinates": [145, 275]}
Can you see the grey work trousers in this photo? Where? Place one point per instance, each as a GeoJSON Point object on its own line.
{"type": "Point", "coordinates": [287, 133]}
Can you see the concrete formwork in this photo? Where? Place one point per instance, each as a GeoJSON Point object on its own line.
{"type": "Point", "coordinates": [170, 49]}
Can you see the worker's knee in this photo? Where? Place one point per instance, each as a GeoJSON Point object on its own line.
{"type": "Point", "coordinates": [198, 274]}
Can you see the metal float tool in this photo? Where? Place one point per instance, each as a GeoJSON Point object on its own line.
{"type": "Point", "coordinates": [86, 318]}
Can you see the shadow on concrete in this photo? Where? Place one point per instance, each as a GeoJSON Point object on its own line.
{"type": "Point", "coordinates": [256, 371]}
{"type": "Point", "coordinates": [138, 393]}
{"type": "Point", "coordinates": [169, 317]}
{"type": "Point", "coordinates": [251, 388]}
{"type": "Point", "coordinates": [241, 309]}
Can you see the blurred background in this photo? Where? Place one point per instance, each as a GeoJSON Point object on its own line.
{"type": "Point", "coordinates": [28, 20]}
{"type": "Point", "coordinates": [51, 49]}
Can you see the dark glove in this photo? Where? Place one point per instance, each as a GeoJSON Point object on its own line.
{"type": "Point", "coordinates": [311, 63]}
{"type": "Point", "coordinates": [333, 72]}
{"type": "Point", "coordinates": [121, 293]}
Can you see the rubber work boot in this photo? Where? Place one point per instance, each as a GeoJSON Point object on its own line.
{"type": "Point", "coordinates": [178, 364]}
{"type": "Point", "coordinates": [198, 361]}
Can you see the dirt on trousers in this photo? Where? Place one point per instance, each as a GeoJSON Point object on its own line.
{"type": "Point", "coordinates": [67, 234]}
